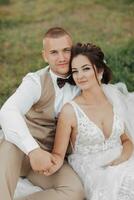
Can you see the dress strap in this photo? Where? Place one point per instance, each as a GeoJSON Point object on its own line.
{"type": "Point", "coordinates": [77, 110]}
{"type": "Point", "coordinates": [73, 105]}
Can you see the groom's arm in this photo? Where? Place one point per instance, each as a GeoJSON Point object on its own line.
{"type": "Point", "coordinates": [12, 114]}
{"type": "Point", "coordinates": [14, 126]}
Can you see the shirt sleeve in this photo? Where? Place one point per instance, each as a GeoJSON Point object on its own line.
{"type": "Point", "coordinates": [12, 113]}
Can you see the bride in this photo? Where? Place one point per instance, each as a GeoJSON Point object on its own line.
{"type": "Point", "coordinates": [98, 123]}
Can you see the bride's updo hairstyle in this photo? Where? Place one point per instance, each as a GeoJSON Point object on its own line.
{"type": "Point", "coordinates": [95, 56]}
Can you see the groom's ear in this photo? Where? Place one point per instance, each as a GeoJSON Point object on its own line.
{"type": "Point", "coordinates": [44, 55]}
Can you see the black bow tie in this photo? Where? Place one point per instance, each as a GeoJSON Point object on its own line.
{"type": "Point", "coordinates": [61, 81]}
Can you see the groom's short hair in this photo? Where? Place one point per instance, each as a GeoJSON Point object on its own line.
{"type": "Point", "coordinates": [56, 32]}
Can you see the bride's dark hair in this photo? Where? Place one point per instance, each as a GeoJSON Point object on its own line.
{"type": "Point", "coordinates": [95, 56]}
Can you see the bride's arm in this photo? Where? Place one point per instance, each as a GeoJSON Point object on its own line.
{"type": "Point", "coordinates": [63, 132]}
{"type": "Point", "coordinates": [126, 151]}
{"type": "Point", "coordinates": [127, 147]}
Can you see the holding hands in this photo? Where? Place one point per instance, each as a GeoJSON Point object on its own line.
{"type": "Point", "coordinates": [58, 162]}
{"type": "Point", "coordinates": [40, 160]}
{"type": "Point", "coordinates": [45, 162]}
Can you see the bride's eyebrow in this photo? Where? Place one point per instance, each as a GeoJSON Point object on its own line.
{"type": "Point", "coordinates": [86, 65]}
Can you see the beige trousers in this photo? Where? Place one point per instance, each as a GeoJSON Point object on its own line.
{"type": "Point", "coordinates": [63, 185]}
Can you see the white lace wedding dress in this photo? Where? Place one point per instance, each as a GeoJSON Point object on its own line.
{"type": "Point", "coordinates": [92, 152]}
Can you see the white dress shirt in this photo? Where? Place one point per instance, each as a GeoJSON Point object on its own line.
{"type": "Point", "coordinates": [28, 93]}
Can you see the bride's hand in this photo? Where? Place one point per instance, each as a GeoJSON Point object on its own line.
{"type": "Point", "coordinates": [118, 160]}
{"type": "Point", "coordinates": [57, 163]}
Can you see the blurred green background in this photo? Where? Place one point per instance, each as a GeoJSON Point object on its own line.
{"type": "Point", "coordinates": [109, 24]}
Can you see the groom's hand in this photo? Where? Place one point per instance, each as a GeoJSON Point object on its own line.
{"type": "Point", "coordinates": [40, 160]}
{"type": "Point", "coordinates": [57, 163]}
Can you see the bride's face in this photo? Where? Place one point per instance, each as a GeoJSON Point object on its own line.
{"type": "Point", "coordinates": [83, 72]}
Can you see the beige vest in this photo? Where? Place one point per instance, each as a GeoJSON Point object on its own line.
{"type": "Point", "coordinates": [40, 118]}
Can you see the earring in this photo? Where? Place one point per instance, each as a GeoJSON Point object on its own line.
{"type": "Point", "coordinates": [100, 76]}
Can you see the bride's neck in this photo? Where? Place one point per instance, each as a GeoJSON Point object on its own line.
{"type": "Point", "coordinates": [94, 95]}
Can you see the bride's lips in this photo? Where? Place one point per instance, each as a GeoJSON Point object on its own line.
{"type": "Point", "coordinates": [82, 82]}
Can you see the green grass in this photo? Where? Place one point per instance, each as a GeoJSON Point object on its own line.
{"type": "Point", "coordinates": [23, 23]}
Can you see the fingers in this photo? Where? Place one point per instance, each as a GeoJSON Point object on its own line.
{"type": "Point", "coordinates": [40, 172]}
{"type": "Point", "coordinates": [50, 171]}
{"type": "Point", "coordinates": [115, 162]}
{"type": "Point", "coordinates": [44, 172]}
{"type": "Point", "coordinates": [111, 164]}
{"type": "Point", "coordinates": [53, 169]}
{"type": "Point", "coordinates": [53, 160]}
{"type": "Point", "coordinates": [47, 170]}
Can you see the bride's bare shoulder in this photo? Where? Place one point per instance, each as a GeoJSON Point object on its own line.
{"type": "Point", "coordinates": [68, 113]}
{"type": "Point", "coordinates": [67, 109]}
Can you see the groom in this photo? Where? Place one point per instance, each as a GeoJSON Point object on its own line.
{"type": "Point", "coordinates": [28, 119]}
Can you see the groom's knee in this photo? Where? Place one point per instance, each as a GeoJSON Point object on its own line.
{"type": "Point", "coordinates": [10, 156]}
{"type": "Point", "coordinates": [70, 183]}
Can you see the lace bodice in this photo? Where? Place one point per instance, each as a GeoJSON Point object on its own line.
{"type": "Point", "coordinates": [93, 154]}
{"type": "Point", "coordinates": [90, 138]}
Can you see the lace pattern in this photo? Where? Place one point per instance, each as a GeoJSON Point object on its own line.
{"type": "Point", "coordinates": [90, 138]}
{"type": "Point", "coordinates": [93, 152]}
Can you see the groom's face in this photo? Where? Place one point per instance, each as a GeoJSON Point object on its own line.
{"type": "Point", "coordinates": [57, 53]}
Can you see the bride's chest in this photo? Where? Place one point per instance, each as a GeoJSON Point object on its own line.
{"type": "Point", "coordinates": [91, 134]}
{"type": "Point", "coordinates": [102, 117]}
